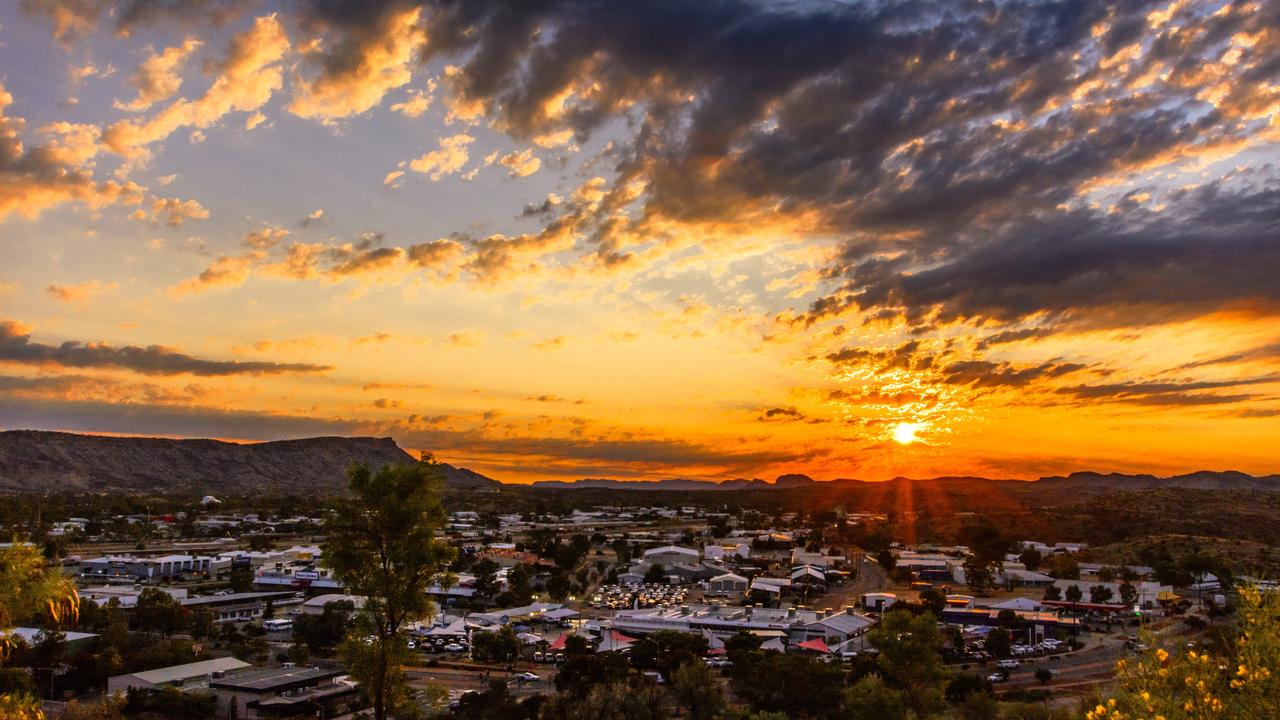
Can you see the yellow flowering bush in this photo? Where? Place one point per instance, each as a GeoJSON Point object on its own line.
{"type": "Point", "coordinates": [1243, 684]}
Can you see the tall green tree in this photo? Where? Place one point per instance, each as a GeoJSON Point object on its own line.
{"type": "Point", "coordinates": [695, 689]}
{"type": "Point", "coordinates": [910, 657]}
{"type": "Point", "coordinates": [382, 545]}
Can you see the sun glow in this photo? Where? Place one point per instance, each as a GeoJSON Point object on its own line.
{"type": "Point", "coordinates": [905, 433]}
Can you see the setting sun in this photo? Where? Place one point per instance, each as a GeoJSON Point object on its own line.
{"type": "Point", "coordinates": [905, 433]}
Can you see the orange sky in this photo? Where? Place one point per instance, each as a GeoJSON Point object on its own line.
{"type": "Point", "coordinates": [1009, 244]}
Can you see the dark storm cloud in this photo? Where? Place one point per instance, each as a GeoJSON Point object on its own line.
{"type": "Point", "coordinates": [169, 420]}
{"type": "Point", "coordinates": [1167, 393]}
{"type": "Point", "coordinates": [16, 347]}
{"type": "Point", "coordinates": [906, 356]}
{"type": "Point", "coordinates": [987, 374]}
{"type": "Point", "coordinates": [1215, 249]}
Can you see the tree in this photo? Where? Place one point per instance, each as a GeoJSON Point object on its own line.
{"type": "Point", "coordinates": [497, 647]}
{"type": "Point", "coordinates": [158, 613]}
{"type": "Point", "coordinates": [1074, 594]}
{"type": "Point", "coordinates": [1100, 594]}
{"type": "Point", "coordinates": [200, 622]}
{"type": "Point", "coordinates": [909, 656]}
{"type": "Point", "coordinates": [241, 578]}
{"type": "Point", "coordinates": [1031, 558]}
{"type": "Point", "coordinates": [964, 685]}
{"type": "Point", "coordinates": [886, 560]}
{"type": "Point", "coordinates": [321, 634]}
{"type": "Point", "coordinates": [979, 706]}
{"type": "Point", "coordinates": [978, 574]}
{"type": "Point", "coordinates": [583, 670]}
{"type": "Point", "coordinates": [666, 650]}
{"type": "Point", "coordinates": [997, 644]}
{"type": "Point", "coordinates": [935, 600]}
{"type": "Point", "coordinates": [1128, 593]}
{"type": "Point", "coordinates": [786, 682]}
{"type": "Point", "coordinates": [1053, 592]}
{"type": "Point", "coordinates": [871, 699]}
{"type": "Point", "coordinates": [609, 701]}
{"type": "Point", "coordinates": [486, 584]}
{"type": "Point", "coordinates": [695, 689]}
{"type": "Point", "coordinates": [655, 574]}
{"type": "Point", "coordinates": [558, 586]}
{"type": "Point", "coordinates": [382, 545]}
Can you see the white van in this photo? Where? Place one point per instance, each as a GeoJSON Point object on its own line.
{"type": "Point", "coordinates": [1007, 664]}
{"type": "Point", "coordinates": [277, 625]}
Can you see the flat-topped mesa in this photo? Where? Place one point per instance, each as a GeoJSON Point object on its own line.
{"type": "Point", "coordinates": [39, 462]}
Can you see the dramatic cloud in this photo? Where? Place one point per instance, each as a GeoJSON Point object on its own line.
{"type": "Point", "coordinates": [361, 67]}
{"type": "Point", "coordinates": [446, 160]}
{"type": "Point", "coordinates": [247, 77]}
{"type": "Point", "coordinates": [417, 103]}
{"type": "Point", "coordinates": [37, 179]}
{"type": "Point", "coordinates": [159, 76]}
{"type": "Point", "coordinates": [16, 347]}
{"type": "Point", "coordinates": [521, 163]}
{"type": "Point", "coordinates": [1166, 393]}
{"type": "Point", "coordinates": [1123, 266]}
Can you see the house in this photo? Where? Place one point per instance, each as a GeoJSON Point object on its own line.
{"type": "Point", "coordinates": [808, 575]}
{"type": "Point", "coordinates": [125, 596]}
{"type": "Point", "coordinates": [1147, 593]}
{"type": "Point", "coordinates": [1017, 577]}
{"type": "Point", "coordinates": [191, 675]}
{"type": "Point", "coordinates": [315, 605]}
{"type": "Point", "coordinates": [284, 692]}
{"type": "Point", "coordinates": [728, 584]}
{"type": "Point", "coordinates": [878, 601]}
{"type": "Point", "coordinates": [800, 556]}
{"type": "Point", "coordinates": [721, 552]}
{"type": "Point", "coordinates": [74, 641]}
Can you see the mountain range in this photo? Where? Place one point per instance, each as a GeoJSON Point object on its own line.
{"type": "Point", "coordinates": [40, 462]}
{"type": "Point", "coordinates": [37, 462]}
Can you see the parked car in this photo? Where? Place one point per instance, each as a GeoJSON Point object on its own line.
{"type": "Point", "coordinates": [455, 647]}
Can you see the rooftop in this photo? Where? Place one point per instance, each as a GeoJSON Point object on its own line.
{"type": "Point", "coordinates": [275, 679]}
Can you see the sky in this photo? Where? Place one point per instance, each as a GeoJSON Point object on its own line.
{"type": "Point", "coordinates": [712, 239]}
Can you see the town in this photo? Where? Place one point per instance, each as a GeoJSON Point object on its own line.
{"type": "Point", "coordinates": [208, 611]}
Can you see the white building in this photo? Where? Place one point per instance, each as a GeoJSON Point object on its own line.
{"type": "Point", "coordinates": [669, 555]}
{"type": "Point", "coordinates": [197, 672]}
{"type": "Point", "coordinates": [795, 624]}
{"type": "Point", "coordinates": [728, 583]}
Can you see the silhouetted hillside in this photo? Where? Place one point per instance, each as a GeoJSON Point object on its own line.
{"type": "Point", "coordinates": [39, 462]}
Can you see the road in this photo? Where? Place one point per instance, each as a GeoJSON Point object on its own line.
{"type": "Point", "coordinates": [459, 679]}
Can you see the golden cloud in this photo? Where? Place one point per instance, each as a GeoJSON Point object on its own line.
{"type": "Point", "coordinates": [248, 76]}
{"type": "Point", "coordinates": [446, 160]}
{"type": "Point", "coordinates": [80, 292]}
{"type": "Point", "coordinates": [370, 67]}
{"type": "Point", "coordinates": [159, 76]}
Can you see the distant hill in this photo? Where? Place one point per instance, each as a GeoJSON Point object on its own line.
{"type": "Point", "coordinates": [1047, 490]}
{"type": "Point", "coordinates": [782, 482]}
{"type": "Point", "coordinates": [37, 462]}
